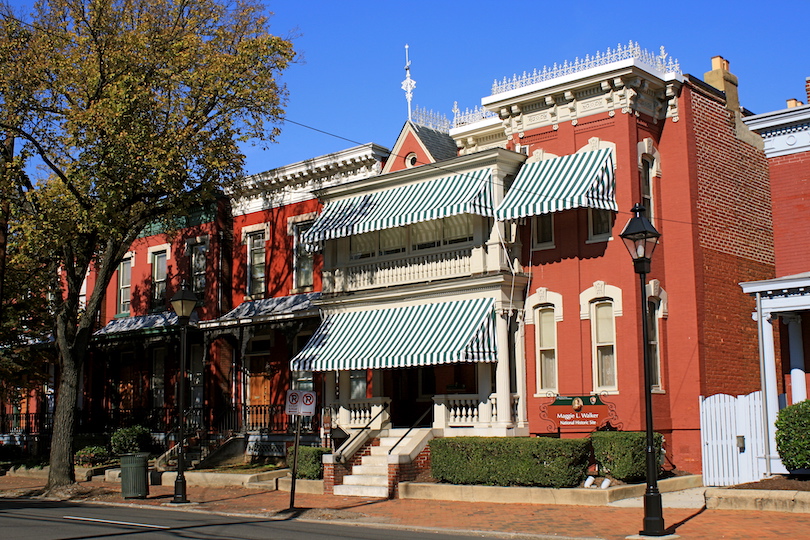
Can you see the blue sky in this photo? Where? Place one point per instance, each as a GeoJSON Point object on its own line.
{"type": "Point", "coordinates": [346, 89]}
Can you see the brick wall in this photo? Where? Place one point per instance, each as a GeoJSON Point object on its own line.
{"type": "Point", "coordinates": [333, 473]}
{"type": "Point", "coordinates": [407, 472]}
{"type": "Point", "coordinates": [734, 235]}
{"type": "Point", "coordinates": [790, 190]}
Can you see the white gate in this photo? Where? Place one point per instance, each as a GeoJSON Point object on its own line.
{"type": "Point", "coordinates": [732, 438]}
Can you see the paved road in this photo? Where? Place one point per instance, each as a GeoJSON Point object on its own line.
{"type": "Point", "coordinates": [22, 519]}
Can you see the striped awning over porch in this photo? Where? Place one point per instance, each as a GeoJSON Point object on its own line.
{"type": "Point", "coordinates": [467, 193]}
{"type": "Point", "coordinates": [419, 335]}
{"type": "Point", "coordinates": [582, 180]}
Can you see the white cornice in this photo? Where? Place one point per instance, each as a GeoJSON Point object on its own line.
{"type": "Point", "coordinates": [488, 158]}
{"type": "Point", "coordinates": [784, 132]}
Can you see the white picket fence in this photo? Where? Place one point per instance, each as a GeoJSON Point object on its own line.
{"type": "Point", "coordinates": [732, 438]}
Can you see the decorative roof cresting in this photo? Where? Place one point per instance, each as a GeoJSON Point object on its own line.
{"type": "Point", "coordinates": [661, 63]}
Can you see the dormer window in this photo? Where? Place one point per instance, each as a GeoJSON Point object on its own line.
{"type": "Point", "coordinates": [411, 160]}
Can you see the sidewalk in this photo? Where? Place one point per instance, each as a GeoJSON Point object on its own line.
{"type": "Point", "coordinates": [501, 520]}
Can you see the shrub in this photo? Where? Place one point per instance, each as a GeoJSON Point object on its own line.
{"type": "Point", "coordinates": [623, 454]}
{"type": "Point", "coordinates": [131, 439]}
{"type": "Point", "coordinates": [510, 461]}
{"type": "Point", "coordinates": [310, 462]}
{"type": "Point", "coordinates": [793, 435]}
{"type": "Point", "coordinates": [10, 452]}
{"type": "Point", "coordinates": [90, 456]}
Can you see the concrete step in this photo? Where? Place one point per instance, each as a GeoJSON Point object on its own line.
{"type": "Point", "coordinates": [381, 470]}
{"type": "Point", "coordinates": [365, 480]}
{"type": "Point", "coordinates": [349, 490]}
{"type": "Point", "coordinates": [376, 460]}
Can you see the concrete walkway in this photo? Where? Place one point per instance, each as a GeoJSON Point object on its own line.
{"type": "Point", "coordinates": [498, 520]}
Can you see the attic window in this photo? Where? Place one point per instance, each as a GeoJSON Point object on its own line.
{"type": "Point", "coordinates": [411, 160]}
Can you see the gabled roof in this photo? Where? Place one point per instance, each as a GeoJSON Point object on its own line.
{"type": "Point", "coordinates": [430, 145]}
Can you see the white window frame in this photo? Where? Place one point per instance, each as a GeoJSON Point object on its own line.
{"type": "Point", "coordinates": [543, 298]}
{"type": "Point", "coordinates": [649, 168]}
{"type": "Point", "coordinates": [124, 307]}
{"type": "Point", "coordinates": [599, 236]}
{"type": "Point", "coordinates": [255, 285]}
{"type": "Point", "coordinates": [601, 292]}
{"type": "Point", "coordinates": [657, 299]}
{"type": "Point", "coordinates": [197, 244]}
{"type": "Point", "coordinates": [546, 382]}
{"type": "Point", "coordinates": [153, 252]}
{"type": "Point", "coordinates": [537, 244]}
{"type": "Point", "coordinates": [597, 346]}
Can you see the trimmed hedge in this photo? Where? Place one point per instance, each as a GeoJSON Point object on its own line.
{"type": "Point", "coordinates": [131, 439]}
{"type": "Point", "coordinates": [510, 461]}
{"type": "Point", "coordinates": [793, 435]}
{"type": "Point", "coordinates": [310, 461]}
{"type": "Point", "coordinates": [623, 454]}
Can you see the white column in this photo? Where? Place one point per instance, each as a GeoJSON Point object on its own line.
{"type": "Point", "coordinates": [520, 369]}
{"type": "Point", "coordinates": [770, 398]}
{"type": "Point", "coordinates": [798, 382]}
{"type": "Point", "coordinates": [502, 391]}
{"type": "Point", "coordinates": [344, 390]}
{"type": "Point", "coordinates": [484, 391]}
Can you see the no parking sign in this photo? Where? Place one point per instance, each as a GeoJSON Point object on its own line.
{"type": "Point", "coordinates": [300, 402]}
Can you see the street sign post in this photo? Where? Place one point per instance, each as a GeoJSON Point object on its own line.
{"type": "Point", "coordinates": [299, 403]}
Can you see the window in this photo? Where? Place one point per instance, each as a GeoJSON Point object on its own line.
{"type": "Point", "coordinates": [124, 284]}
{"type": "Point", "coordinates": [599, 224]}
{"type": "Point", "coordinates": [363, 246]}
{"type": "Point", "coordinates": [303, 259]}
{"type": "Point", "coordinates": [653, 349]}
{"type": "Point", "coordinates": [457, 229]}
{"type": "Point", "coordinates": [357, 384]}
{"type": "Point", "coordinates": [604, 345]}
{"type": "Point", "coordinates": [158, 280]}
{"type": "Point", "coordinates": [543, 231]}
{"type": "Point", "coordinates": [303, 380]}
{"type": "Point", "coordinates": [198, 252]}
{"type": "Point", "coordinates": [393, 240]}
{"type": "Point", "coordinates": [256, 263]}
{"type": "Point", "coordinates": [646, 186]}
{"type": "Point", "coordinates": [426, 234]}
{"type": "Point", "coordinates": [546, 330]}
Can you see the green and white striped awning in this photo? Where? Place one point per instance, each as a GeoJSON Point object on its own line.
{"type": "Point", "coordinates": [467, 193]}
{"type": "Point", "coordinates": [582, 180]}
{"type": "Point", "coordinates": [418, 335]}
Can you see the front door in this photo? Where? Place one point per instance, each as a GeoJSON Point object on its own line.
{"type": "Point", "coordinates": [411, 391]}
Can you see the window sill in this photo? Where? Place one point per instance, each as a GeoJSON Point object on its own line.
{"type": "Point", "coordinates": [302, 290]}
{"type": "Point", "coordinates": [550, 394]}
{"type": "Point", "coordinates": [542, 247]}
{"type": "Point", "coordinates": [599, 239]}
{"type": "Point", "coordinates": [605, 393]}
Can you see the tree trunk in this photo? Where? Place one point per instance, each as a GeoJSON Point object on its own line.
{"type": "Point", "coordinates": [64, 422]}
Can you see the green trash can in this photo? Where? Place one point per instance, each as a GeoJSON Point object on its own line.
{"type": "Point", "coordinates": [134, 475]}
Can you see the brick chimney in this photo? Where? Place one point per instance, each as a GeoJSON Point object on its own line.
{"type": "Point", "coordinates": [794, 103]}
{"type": "Point", "coordinates": [807, 88]}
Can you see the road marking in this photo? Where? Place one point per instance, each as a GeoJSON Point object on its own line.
{"type": "Point", "coordinates": [111, 522]}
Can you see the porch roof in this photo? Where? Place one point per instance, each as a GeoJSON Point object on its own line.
{"type": "Point", "coordinates": [582, 180]}
{"type": "Point", "coordinates": [267, 310]}
{"type": "Point", "coordinates": [467, 193]}
{"type": "Point", "coordinates": [414, 335]}
{"type": "Point", "coordinates": [153, 322]}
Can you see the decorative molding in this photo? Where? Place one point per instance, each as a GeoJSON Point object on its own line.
{"type": "Point", "coordinates": [599, 290]}
{"type": "Point", "coordinates": [541, 297]}
{"type": "Point", "coordinates": [158, 248]}
{"type": "Point", "coordinates": [647, 148]}
{"type": "Point", "coordinates": [654, 290]}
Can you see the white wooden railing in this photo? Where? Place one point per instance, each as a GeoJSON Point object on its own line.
{"type": "Point", "coordinates": [469, 410]}
{"type": "Point", "coordinates": [423, 267]}
{"type": "Point", "coordinates": [357, 414]}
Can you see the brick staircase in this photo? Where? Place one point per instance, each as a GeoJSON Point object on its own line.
{"type": "Point", "coordinates": [370, 478]}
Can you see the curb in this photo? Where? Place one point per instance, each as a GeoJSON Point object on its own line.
{"type": "Point", "coordinates": [797, 502]}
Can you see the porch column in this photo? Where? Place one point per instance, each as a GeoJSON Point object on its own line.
{"type": "Point", "coordinates": [770, 398]}
{"type": "Point", "coordinates": [502, 384]}
{"type": "Point", "coordinates": [344, 391]}
{"type": "Point", "coordinates": [520, 368]}
{"type": "Point", "coordinates": [798, 382]}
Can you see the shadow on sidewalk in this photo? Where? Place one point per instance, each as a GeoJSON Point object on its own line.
{"type": "Point", "coordinates": [674, 527]}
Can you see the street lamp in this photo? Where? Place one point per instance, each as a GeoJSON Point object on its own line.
{"type": "Point", "coordinates": [183, 304]}
{"type": "Point", "coordinates": [640, 237]}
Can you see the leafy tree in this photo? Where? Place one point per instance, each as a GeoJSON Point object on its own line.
{"type": "Point", "coordinates": [135, 109]}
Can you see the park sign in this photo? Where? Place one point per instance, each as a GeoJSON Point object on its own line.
{"type": "Point", "coordinates": [300, 402]}
{"type": "Point", "coordinates": [577, 414]}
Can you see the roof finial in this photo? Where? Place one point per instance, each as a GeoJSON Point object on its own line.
{"type": "Point", "coordinates": [408, 84]}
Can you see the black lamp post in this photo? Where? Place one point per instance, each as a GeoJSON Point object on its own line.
{"type": "Point", "coordinates": [640, 237]}
{"type": "Point", "coordinates": [183, 303]}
